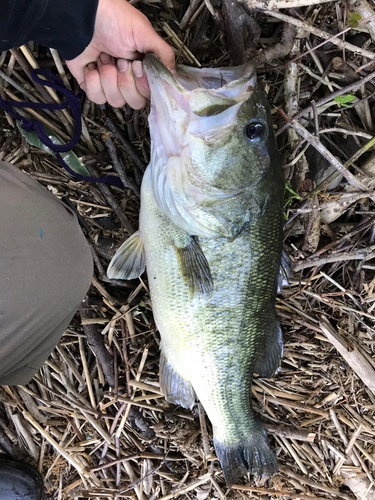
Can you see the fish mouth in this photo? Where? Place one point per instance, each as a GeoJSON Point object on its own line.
{"type": "Point", "coordinates": [208, 90]}
{"type": "Point", "coordinates": [189, 78]}
{"type": "Point", "coordinates": [156, 70]}
{"type": "Point", "coordinates": [192, 109]}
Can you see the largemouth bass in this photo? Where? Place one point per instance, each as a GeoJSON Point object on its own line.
{"type": "Point", "coordinates": [210, 236]}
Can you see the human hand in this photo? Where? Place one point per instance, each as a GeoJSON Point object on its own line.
{"type": "Point", "coordinates": [109, 69]}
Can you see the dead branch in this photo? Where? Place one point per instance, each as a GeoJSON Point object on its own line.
{"type": "Point", "coordinates": [321, 34]}
{"type": "Point", "coordinates": [350, 352]}
{"type": "Point", "coordinates": [314, 141]}
{"type": "Point", "coordinates": [360, 254]}
{"type": "Point", "coordinates": [282, 4]}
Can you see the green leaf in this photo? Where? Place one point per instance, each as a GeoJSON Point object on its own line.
{"type": "Point", "coordinates": [343, 99]}
{"type": "Point", "coordinates": [289, 188]}
{"type": "Point", "coordinates": [353, 20]}
{"type": "Point", "coordinates": [289, 196]}
{"type": "Point", "coordinates": [70, 158]}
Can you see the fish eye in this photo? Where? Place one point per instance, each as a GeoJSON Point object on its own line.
{"type": "Point", "coordinates": [254, 131]}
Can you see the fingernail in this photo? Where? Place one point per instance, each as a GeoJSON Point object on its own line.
{"type": "Point", "coordinates": [137, 68]}
{"type": "Point", "coordinates": [122, 65]}
{"type": "Point", "coordinates": [105, 58]}
{"type": "Point", "coordinates": [91, 66]}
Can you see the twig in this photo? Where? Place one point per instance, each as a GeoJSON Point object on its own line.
{"type": "Point", "coordinates": [189, 12]}
{"type": "Point", "coordinates": [280, 49]}
{"type": "Point", "coordinates": [346, 131]}
{"type": "Point", "coordinates": [352, 356]}
{"type": "Point", "coordinates": [353, 439]}
{"type": "Point", "coordinates": [118, 166]}
{"type": "Point", "coordinates": [96, 343]}
{"type": "Point", "coordinates": [205, 440]}
{"type": "Point", "coordinates": [87, 374]}
{"type": "Point", "coordinates": [68, 456]}
{"type": "Point", "coordinates": [111, 201]}
{"type": "Point", "coordinates": [27, 94]}
{"type": "Point", "coordinates": [7, 446]}
{"type": "Point", "coordinates": [290, 432]}
{"type": "Point", "coordinates": [282, 4]}
{"type": "Point", "coordinates": [187, 488]}
{"type": "Point", "coordinates": [313, 484]}
{"type": "Point", "coordinates": [319, 78]}
{"type": "Point", "coordinates": [37, 115]}
{"type": "Point", "coordinates": [292, 404]}
{"type": "Point", "coordinates": [345, 90]}
{"type": "Point", "coordinates": [128, 149]}
{"type": "Point", "coordinates": [113, 462]}
{"type": "Point", "coordinates": [278, 493]}
{"type": "Point", "coordinates": [137, 481]}
{"type": "Point", "coordinates": [125, 338]}
{"type": "Point", "coordinates": [344, 200]}
{"type": "Point", "coordinates": [314, 141]}
{"type": "Point", "coordinates": [60, 68]}
{"type": "Point", "coordinates": [320, 33]}
{"type": "Point", "coordinates": [363, 253]}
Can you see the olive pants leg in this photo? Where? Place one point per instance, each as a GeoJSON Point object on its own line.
{"type": "Point", "coordinates": [45, 271]}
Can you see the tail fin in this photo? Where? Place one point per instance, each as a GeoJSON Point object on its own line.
{"type": "Point", "coordinates": [252, 454]}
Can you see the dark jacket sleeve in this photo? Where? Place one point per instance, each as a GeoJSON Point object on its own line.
{"type": "Point", "coordinates": [65, 25]}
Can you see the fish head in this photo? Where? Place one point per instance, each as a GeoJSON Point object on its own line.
{"type": "Point", "coordinates": [212, 146]}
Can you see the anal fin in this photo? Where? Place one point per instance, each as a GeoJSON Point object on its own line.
{"type": "Point", "coordinates": [176, 390]}
{"type": "Point", "coordinates": [285, 272]}
{"type": "Point", "coordinates": [270, 362]}
{"type": "Point", "coordinates": [129, 261]}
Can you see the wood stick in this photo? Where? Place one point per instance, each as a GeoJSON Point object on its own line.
{"type": "Point", "coordinates": [320, 33]}
{"type": "Point", "coordinates": [290, 432]}
{"type": "Point", "coordinates": [355, 359]}
{"type": "Point", "coordinates": [87, 374]}
{"type": "Point", "coordinates": [282, 4]}
{"type": "Point", "coordinates": [359, 254]}
{"type": "Point", "coordinates": [68, 456]}
{"type": "Point", "coordinates": [313, 484]}
{"type": "Point", "coordinates": [291, 404]}
{"type": "Point", "coordinates": [278, 493]}
{"type": "Point", "coordinates": [315, 142]}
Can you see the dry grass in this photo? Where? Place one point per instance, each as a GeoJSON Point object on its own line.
{"type": "Point", "coordinates": [103, 430]}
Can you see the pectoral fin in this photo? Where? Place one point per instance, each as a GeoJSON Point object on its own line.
{"type": "Point", "coordinates": [195, 268]}
{"type": "Point", "coordinates": [129, 261]}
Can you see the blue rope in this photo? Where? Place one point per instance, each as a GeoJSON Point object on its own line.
{"type": "Point", "coordinates": [72, 101]}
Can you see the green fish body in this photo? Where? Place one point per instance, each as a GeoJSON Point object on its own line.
{"type": "Point", "coordinates": [210, 236]}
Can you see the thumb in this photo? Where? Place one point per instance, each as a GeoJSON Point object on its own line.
{"type": "Point", "coordinates": [154, 43]}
